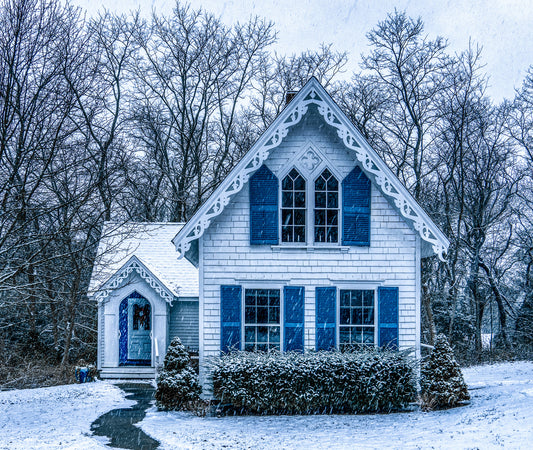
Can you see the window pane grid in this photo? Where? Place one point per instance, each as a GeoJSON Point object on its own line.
{"type": "Point", "coordinates": [262, 320]}
{"type": "Point", "coordinates": [356, 318]}
{"type": "Point", "coordinates": [293, 204]}
{"type": "Point", "coordinates": [326, 208]}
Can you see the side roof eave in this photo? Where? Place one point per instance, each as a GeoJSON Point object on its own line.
{"type": "Point", "coordinates": [116, 280]}
{"type": "Point", "coordinates": [371, 163]}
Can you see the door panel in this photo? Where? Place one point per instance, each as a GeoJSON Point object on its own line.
{"type": "Point", "coordinates": [139, 318]}
{"type": "Point", "coordinates": [135, 323]}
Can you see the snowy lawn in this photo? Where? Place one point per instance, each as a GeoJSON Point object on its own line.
{"type": "Point", "coordinates": [56, 417]}
{"type": "Point", "coordinates": [500, 415]}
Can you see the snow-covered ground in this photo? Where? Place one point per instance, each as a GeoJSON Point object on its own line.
{"type": "Point", "coordinates": [500, 415]}
{"type": "Point", "coordinates": [56, 417]}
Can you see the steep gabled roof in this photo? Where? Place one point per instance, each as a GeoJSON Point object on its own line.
{"type": "Point", "coordinates": [434, 241]}
{"type": "Point", "coordinates": [120, 276]}
{"type": "Point", "coordinates": [145, 248]}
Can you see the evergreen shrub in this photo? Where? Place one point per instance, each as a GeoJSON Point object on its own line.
{"type": "Point", "coordinates": [177, 382]}
{"type": "Point", "coordinates": [442, 384]}
{"type": "Point", "coordinates": [314, 383]}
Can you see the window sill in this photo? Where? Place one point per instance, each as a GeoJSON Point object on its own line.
{"type": "Point", "coordinates": [310, 248]}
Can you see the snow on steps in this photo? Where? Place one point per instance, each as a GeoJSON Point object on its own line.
{"type": "Point", "coordinates": [127, 373]}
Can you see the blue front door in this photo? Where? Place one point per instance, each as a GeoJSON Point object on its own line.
{"type": "Point", "coordinates": [135, 325]}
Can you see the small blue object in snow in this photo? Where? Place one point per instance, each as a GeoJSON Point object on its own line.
{"type": "Point", "coordinates": [83, 374]}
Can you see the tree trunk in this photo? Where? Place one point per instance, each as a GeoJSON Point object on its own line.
{"type": "Point", "coordinates": [499, 301]}
{"type": "Point", "coordinates": [426, 303]}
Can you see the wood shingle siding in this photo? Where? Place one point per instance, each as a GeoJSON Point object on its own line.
{"type": "Point", "coordinates": [184, 323]}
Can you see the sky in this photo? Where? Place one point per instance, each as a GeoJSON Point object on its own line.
{"type": "Point", "coordinates": [501, 27]}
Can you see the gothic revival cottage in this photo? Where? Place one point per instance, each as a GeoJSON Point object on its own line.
{"type": "Point", "coordinates": [310, 243]}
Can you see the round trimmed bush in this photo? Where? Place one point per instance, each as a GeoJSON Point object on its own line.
{"type": "Point", "coordinates": [177, 383]}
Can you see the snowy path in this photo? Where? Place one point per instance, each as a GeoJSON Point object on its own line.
{"type": "Point", "coordinates": [118, 425]}
{"type": "Point", "coordinates": [500, 415]}
{"type": "Point", "coordinates": [56, 417]}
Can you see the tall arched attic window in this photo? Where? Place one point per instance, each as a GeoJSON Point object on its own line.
{"type": "Point", "coordinates": [293, 204]}
{"type": "Point", "coordinates": [326, 208]}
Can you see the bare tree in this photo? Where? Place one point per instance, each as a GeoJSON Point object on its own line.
{"type": "Point", "coordinates": [190, 81]}
{"type": "Point", "coordinates": [521, 131]}
{"type": "Point", "coordinates": [407, 68]}
{"type": "Point", "coordinates": [43, 177]}
{"type": "Point", "coordinates": [363, 101]}
{"type": "Point", "coordinates": [35, 104]}
{"type": "Point", "coordinates": [444, 283]}
{"type": "Point", "coordinates": [490, 185]}
{"type": "Point", "coordinates": [283, 74]}
{"type": "Point", "coordinates": [96, 72]}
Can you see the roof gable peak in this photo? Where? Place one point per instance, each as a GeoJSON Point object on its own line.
{"type": "Point", "coordinates": [313, 93]}
{"type": "Point", "coordinates": [133, 264]}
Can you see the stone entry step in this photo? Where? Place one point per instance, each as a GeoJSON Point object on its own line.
{"type": "Point", "coordinates": [128, 373]}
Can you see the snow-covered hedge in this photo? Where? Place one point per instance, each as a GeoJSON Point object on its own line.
{"type": "Point", "coordinates": [314, 383]}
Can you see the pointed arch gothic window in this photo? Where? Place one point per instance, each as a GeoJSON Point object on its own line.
{"type": "Point", "coordinates": [326, 208]}
{"type": "Point", "coordinates": [293, 207]}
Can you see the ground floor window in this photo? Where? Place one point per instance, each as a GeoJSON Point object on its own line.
{"type": "Point", "coordinates": [262, 329]}
{"type": "Point", "coordinates": [357, 322]}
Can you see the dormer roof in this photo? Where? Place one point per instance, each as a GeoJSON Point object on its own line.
{"type": "Point", "coordinates": [144, 248]}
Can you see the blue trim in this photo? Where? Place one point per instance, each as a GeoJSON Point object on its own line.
{"type": "Point", "coordinates": [388, 317]}
{"type": "Point", "coordinates": [123, 328]}
{"type": "Point", "coordinates": [356, 202]}
{"type": "Point", "coordinates": [230, 318]}
{"type": "Point", "coordinates": [264, 207]}
{"type": "Point", "coordinates": [326, 318]}
{"type": "Point", "coordinates": [293, 298]}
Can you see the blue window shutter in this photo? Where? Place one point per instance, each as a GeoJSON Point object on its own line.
{"type": "Point", "coordinates": [294, 298]}
{"type": "Point", "coordinates": [326, 313]}
{"type": "Point", "coordinates": [356, 208]}
{"type": "Point", "coordinates": [388, 317]}
{"type": "Point", "coordinates": [230, 317]}
{"type": "Point", "coordinates": [264, 207]}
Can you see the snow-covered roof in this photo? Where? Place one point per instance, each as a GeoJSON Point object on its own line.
{"type": "Point", "coordinates": [147, 249]}
{"type": "Point", "coordinates": [432, 238]}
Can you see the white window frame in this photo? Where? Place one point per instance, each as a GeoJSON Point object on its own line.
{"type": "Point", "coordinates": [339, 208]}
{"type": "Point", "coordinates": [358, 287]}
{"type": "Point", "coordinates": [281, 310]}
{"type": "Point", "coordinates": [310, 179]}
{"type": "Point", "coordinates": [280, 202]}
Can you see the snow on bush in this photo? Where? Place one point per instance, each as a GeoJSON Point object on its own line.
{"type": "Point", "coordinates": [177, 383]}
{"type": "Point", "coordinates": [442, 384]}
{"type": "Point", "coordinates": [314, 383]}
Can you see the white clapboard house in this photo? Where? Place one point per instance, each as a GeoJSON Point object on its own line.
{"type": "Point", "coordinates": [310, 243]}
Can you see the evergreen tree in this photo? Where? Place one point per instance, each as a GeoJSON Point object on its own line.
{"type": "Point", "coordinates": [177, 383]}
{"type": "Point", "coordinates": [442, 384]}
